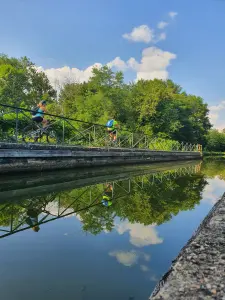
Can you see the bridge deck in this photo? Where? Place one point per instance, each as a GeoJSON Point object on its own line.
{"type": "Point", "coordinates": [36, 157]}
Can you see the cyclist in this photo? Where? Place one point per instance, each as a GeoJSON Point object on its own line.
{"type": "Point", "coordinates": [39, 113]}
{"type": "Point", "coordinates": [32, 219]}
{"type": "Point", "coordinates": [112, 126]}
{"type": "Point", "coordinates": [107, 195]}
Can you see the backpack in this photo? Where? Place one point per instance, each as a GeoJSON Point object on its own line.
{"type": "Point", "coordinates": [109, 124]}
{"type": "Point", "coordinates": [34, 110]}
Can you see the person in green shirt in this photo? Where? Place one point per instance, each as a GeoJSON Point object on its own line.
{"type": "Point", "coordinates": [107, 195]}
{"type": "Point", "coordinates": [112, 126]}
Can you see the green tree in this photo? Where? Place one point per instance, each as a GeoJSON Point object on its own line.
{"type": "Point", "coordinates": [215, 141]}
{"type": "Point", "coordinates": [163, 109]}
{"type": "Point", "coordinates": [21, 83]}
{"type": "Point", "coordinates": [155, 107]}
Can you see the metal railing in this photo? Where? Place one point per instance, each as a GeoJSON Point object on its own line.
{"type": "Point", "coordinates": [16, 126]}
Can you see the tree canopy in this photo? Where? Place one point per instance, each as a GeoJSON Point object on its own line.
{"type": "Point", "coordinates": [159, 108]}
{"type": "Point", "coordinates": [215, 141]}
{"type": "Point", "coordinates": [155, 107]}
{"type": "Point", "coordinates": [21, 83]}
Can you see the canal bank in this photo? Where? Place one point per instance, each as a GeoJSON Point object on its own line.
{"type": "Point", "coordinates": [199, 270]}
{"type": "Point", "coordinates": [36, 157]}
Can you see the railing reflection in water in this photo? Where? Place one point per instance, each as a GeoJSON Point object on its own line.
{"type": "Point", "coordinates": [31, 213]}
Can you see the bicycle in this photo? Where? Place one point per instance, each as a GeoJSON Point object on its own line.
{"type": "Point", "coordinates": [35, 132]}
{"type": "Point", "coordinates": [109, 141]}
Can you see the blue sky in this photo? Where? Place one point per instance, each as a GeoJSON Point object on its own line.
{"type": "Point", "coordinates": [78, 34]}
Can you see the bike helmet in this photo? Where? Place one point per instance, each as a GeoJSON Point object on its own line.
{"type": "Point", "coordinates": [43, 102]}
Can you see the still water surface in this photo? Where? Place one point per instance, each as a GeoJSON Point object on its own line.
{"type": "Point", "coordinates": [59, 240]}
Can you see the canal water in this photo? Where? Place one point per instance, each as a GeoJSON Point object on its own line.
{"type": "Point", "coordinates": [100, 234]}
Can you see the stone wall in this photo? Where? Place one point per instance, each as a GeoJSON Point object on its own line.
{"type": "Point", "coordinates": [199, 270]}
{"type": "Point", "coordinates": [31, 157]}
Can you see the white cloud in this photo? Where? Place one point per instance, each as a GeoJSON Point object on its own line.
{"type": "Point", "coordinates": [140, 235]}
{"type": "Point", "coordinates": [140, 34]}
{"type": "Point", "coordinates": [146, 257]}
{"type": "Point", "coordinates": [213, 191]}
{"type": "Point", "coordinates": [144, 268]}
{"type": "Point", "coordinates": [162, 25]}
{"type": "Point", "coordinates": [154, 278]}
{"type": "Point", "coordinates": [132, 63]}
{"type": "Point", "coordinates": [78, 217]}
{"type": "Point", "coordinates": [161, 37]}
{"type": "Point", "coordinates": [118, 63]}
{"type": "Point", "coordinates": [216, 115]}
{"type": "Point", "coordinates": [173, 14]}
{"type": "Point", "coordinates": [66, 74]}
{"type": "Point", "coordinates": [54, 209]}
{"type": "Point", "coordinates": [154, 64]}
{"type": "Point", "coordinates": [128, 258]}
{"type": "Point", "coordinates": [144, 33]}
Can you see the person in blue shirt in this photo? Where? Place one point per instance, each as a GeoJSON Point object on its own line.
{"type": "Point", "coordinates": [112, 127]}
{"type": "Point", "coordinates": [39, 115]}
{"type": "Point", "coordinates": [107, 195]}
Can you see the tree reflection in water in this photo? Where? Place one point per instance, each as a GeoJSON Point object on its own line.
{"type": "Point", "coordinates": [146, 199]}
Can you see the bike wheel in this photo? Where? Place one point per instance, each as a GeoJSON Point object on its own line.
{"type": "Point", "coordinates": [30, 134]}
{"type": "Point", "coordinates": [52, 138]}
{"type": "Point", "coordinates": [108, 142]}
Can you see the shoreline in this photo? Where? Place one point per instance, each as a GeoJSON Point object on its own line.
{"type": "Point", "coordinates": [198, 272]}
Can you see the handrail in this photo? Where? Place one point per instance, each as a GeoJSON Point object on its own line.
{"type": "Point", "coordinates": [93, 136]}
{"type": "Point", "coordinates": [51, 115]}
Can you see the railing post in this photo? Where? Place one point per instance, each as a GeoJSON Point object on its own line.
{"type": "Point", "coordinates": [63, 137]}
{"type": "Point", "coordinates": [200, 148]}
{"type": "Point", "coordinates": [11, 219]}
{"type": "Point", "coordinates": [17, 123]}
{"type": "Point", "coordinates": [94, 133]}
{"type": "Point", "coordinates": [58, 205]}
{"type": "Point", "coordinates": [113, 190]}
{"type": "Point", "coordinates": [182, 146]}
{"type": "Point", "coordinates": [89, 142]}
{"type": "Point", "coordinates": [132, 140]}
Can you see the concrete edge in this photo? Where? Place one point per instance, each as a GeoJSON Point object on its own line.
{"type": "Point", "coordinates": [202, 226]}
{"type": "Point", "coordinates": [33, 146]}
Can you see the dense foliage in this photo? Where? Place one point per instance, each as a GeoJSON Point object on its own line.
{"type": "Point", "coordinates": [155, 107]}
{"type": "Point", "coordinates": [215, 141]}
{"type": "Point", "coordinates": [21, 84]}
